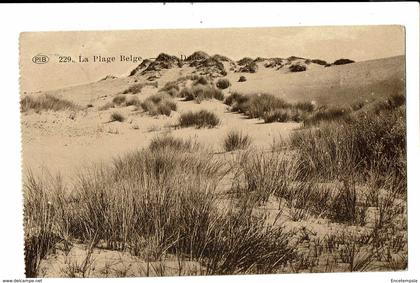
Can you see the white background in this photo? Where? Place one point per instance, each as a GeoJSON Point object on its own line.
{"type": "Point", "coordinates": [16, 18]}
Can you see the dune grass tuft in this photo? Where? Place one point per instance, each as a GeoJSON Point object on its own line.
{"type": "Point", "coordinates": [236, 140]}
{"type": "Point", "coordinates": [201, 92]}
{"type": "Point", "coordinates": [200, 119]}
{"type": "Point", "coordinates": [167, 141]}
{"type": "Point", "coordinates": [137, 88]}
{"type": "Point", "coordinates": [133, 101]}
{"type": "Point", "coordinates": [118, 117]}
{"type": "Point", "coordinates": [159, 104]}
{"type": "Point", "coordinates": [156, 203]}
{"type": "Point", "coordinates": [46, 102]}
{"type": "Point", "coordinates": [367, 142]}
{"type": "Point", "coordinates": [119, 99]}
{"type": "Point", "coordinates": [171, 88]}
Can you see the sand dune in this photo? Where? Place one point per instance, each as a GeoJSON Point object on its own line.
{"type": "Point", "coordinates": [66, 140]}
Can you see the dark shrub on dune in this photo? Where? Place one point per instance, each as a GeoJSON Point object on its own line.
{"type": "Point", "coordinates": [119, 99]}
{"type": "Point", "coordinates": [117, 117]}
{"type": "Point", "coordinates": [201, 119]}
{"type": "Point", "coordinates": [297, 68]}
{"type": "Point", "coordinates": [235, 98]}
{"type": "Point", "coordinates": [242, 79]}
{"type": "Point", "coordinates": [221, 58]}
{"type": "Point", "coordinates": [201, 92]}
{"type": "Point", "coordinates": [319, 62]}
{"type": "Point", "coordinates": [245, 61]}
{"type": "Point", "coordinates": [223, 83]}
{"type": "Point", "coordinates": [201, 81]}
{"type": "Point", "coordinates": [294, 58]}
{"type": "Point", "coordinates": [198, 55]}
{"type": "Point", "coordinates": [133, 101]}
{"type": "Point", "coordinates": [260, 104]}
{"type": "Point", "coordinates": [170, 142]}
{"type": "Point", "coordinates": [159, 104]}
{"type": "Point", "coordinates": [251, 67]}
{"type": "Point", "coordinates": [343, 61]}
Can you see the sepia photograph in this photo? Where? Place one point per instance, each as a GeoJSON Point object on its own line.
{"type": "Point", "coordinates": [229, 151]}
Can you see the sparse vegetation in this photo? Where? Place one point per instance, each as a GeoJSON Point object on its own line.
{"type": "Point", "coordinates": [136, 88]}
{"type": "Point", "coordinates": [106, 106]}
{"type": "Point", "coordinates": [46, 102]}
{"type": "Point", "coordinates": [200, 119]}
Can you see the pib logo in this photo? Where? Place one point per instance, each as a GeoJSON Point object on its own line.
{"type": "Point", "coordinates": [40, 59]}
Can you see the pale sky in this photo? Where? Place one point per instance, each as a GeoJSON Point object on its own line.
{"type": "Point", "coordinates": [330, 43]}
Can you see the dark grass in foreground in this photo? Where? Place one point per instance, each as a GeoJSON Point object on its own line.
{"type": "Point", "coordinates": [365, 142]}
{"type": "Point", "coordinates": [153, 203]}
{"type": "Point", "coordinates": [236, 140]}
{"type": "Point", "coordinates": [46, 102]}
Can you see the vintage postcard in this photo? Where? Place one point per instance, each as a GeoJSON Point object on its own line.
{"type": "Point", "coordinates": [214, 151]}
